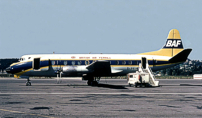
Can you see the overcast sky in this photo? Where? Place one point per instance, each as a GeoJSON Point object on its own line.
{"type": "Point", "coordinates": [97, 26]}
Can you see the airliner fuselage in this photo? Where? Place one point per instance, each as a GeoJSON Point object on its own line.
{"type": "Point", "coordinates": [77, 64]}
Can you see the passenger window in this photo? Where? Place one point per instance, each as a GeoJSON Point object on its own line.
{"type": "Point", "coordinates": [73, 62]}
{"type": "Point", "coordinates": [86, 62]}
{"type": "Point", "coordinates": [65, 62]}
{"type": "Point", "coordinates": [124, 62]}
{"type": "Point", "coordinates": [117, 62]}
{"type": "Point", "coordinates": [130, 62]}
{"type": "Point", "coordinates": [53, 62]}
{"type": "Point", "coordinates": [79, 62]}
{"type": "Point", "coordinates": [131, 76]}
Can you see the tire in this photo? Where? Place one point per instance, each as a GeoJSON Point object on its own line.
{"type": "Point", "coordinates": [28, 84]}
{"type": "Point", "coordinates": [89, 83]}
{"type": "Point", "coordinates": [95, 83]}
{"type": "Point", "coordinates": [92, 83]}
{"type": "Point", "coordinates": [135, 85]}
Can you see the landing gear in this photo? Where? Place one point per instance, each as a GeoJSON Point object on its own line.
{"type": "Point", "coordinates": [28, 83]}
{"type": "Point", "coordinates": [93, 81]}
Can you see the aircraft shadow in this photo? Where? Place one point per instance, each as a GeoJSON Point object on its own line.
{"type": "Point", "coordinates": [74, 85]}
{"type": "Point", "coordinates": [55, 85]}
{"type": "Point", "coordinates": [181, 85]}
{"type": "Point", "coordinates": [190, 85]}
{"type": "Point", "coordinates": [111, 86]}
{"type": "Point", "coordinates": [169, 85]}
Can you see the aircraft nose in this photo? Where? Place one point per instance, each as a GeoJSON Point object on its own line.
{"type": "Point", "coordinates": [8, 70]}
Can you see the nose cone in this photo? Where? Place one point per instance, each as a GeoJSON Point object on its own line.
{"type": "Point", "coordinates": [8, 70]}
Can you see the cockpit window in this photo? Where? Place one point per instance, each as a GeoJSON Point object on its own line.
{"type": "Point", "coordinates": [22, 59]}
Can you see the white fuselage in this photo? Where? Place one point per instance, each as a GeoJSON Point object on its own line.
{"type": "Point", "coordinates": [76, 64]}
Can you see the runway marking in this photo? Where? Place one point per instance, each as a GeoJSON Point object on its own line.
{"type": "Point", "coordinates": [121, 93]}
{"type": "Point", "coordinates": [25, 113]}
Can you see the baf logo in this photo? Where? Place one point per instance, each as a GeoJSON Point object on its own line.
{"type": "Point", "coordinates": [173, 43]}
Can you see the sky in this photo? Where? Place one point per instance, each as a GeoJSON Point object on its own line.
{"type": "Point", "coordinates": [97, 26]}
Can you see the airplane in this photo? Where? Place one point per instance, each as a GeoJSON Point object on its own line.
{"type": "Point", "coordinates": [92, 67]}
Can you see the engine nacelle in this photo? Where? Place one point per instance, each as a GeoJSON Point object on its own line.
{"type": "Point", "coordinates": [71, 69]}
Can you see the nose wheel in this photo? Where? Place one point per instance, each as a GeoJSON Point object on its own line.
{"type": "Point", "coordinates": [28, 83]}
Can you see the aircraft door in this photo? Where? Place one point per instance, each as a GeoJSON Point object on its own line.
{"type": "Point", "coordinates": [41, 64]}
{"type": "Point", "coordinates": [154, 63]}
{"type": "Point", "coordinates": [36, 64]}
{"type": "Point", "coordinates": [144, 62]}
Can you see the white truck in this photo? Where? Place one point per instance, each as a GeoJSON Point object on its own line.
{"type": "Point", "coordinates": [143, 77]}
{"type": "Point", "coordinates": [138, 79]}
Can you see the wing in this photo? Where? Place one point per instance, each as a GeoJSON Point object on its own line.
{"type": "Point", "coordinates": [100, 67]}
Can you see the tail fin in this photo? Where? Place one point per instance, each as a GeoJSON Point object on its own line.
{"type": "Point", "coordinates": [172, 47]}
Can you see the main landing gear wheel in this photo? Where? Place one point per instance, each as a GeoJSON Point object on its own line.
{"type": "Point", "coordinates": [92, 83]}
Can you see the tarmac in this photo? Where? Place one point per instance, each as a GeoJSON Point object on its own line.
{"type": "Point", "coordinates": [111, 98]}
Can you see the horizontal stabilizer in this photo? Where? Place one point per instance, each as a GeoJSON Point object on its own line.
{"type": "Point", "coordinates": [181, 56]}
